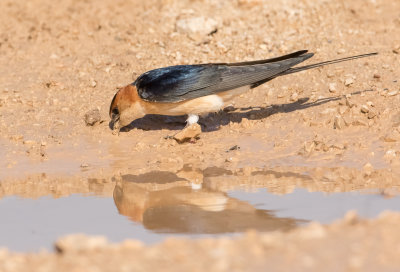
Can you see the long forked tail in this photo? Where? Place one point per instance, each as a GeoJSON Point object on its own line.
{"type": "Point", "coordinates": [306, 67]}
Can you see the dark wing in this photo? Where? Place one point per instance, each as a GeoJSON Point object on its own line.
{"type": "Point", "coordinates": [183, 82]}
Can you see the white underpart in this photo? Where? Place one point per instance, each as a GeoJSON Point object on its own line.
{"type": "Point", "coordinates": [192, 119]}
{"type": "Point", "coordinates": [196, 186]}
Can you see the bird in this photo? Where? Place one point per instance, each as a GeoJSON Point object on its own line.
{"type": "Point", "coordinates": [198, 89]}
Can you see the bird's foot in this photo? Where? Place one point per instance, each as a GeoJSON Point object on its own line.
{"type": "Point", "coordinates": [188, 134]}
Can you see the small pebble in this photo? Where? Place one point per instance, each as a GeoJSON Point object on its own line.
{"type": "Point", "coordinates": [79, 243]}
{"type": "Point", "coordinates": [29, 142]}
{"type": "Point", "coordinates": [392, 93]}
{"type": "Point", "coordinates": [364, 109]}
{"type": "Point", "coordinates": [390, 153]}
{"type": "Point", "coordinates": [92, 117]}
{"type": "Point", "coordinates": [263, 46]}
{"type": "Point", "coordinates": [377, 76]}
{"type": "Point", "coordinates": [391, 137]}
{"type": "Point", "coordinates": [339, 122]}
{"type": "Point", "coordinates": [332, 87]}
{"type": "Point", "coordinates": [93, 83]}
{"type": "Point", "coordinates": [370, 103]}
{"type": "Point", "coordinates": [371, 114]}
{"type": "Point", "coordinates": [359, 123]}
{"type": "Point", "coordinates": [330, 74]}
{"type": "Point", "coordinates": [349, 102]}
{"type": "Point", "coordinates": [348, 81]}
{"type": "Point", "coordinates": [368, 168]}
{"type": "Point", "coordinates": [343, 109]}
{"type": "Point", "coordinates": [235, 147]}
{"type": "Point", "coordinates": [341, 51]}
{"type": "Point", "coordinates": [201, 25]}
{"type": "Point", "coordinates": [229, 109]}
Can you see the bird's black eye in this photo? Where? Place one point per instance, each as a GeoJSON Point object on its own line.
{"type": "Point", "coordinates": [115, 111]}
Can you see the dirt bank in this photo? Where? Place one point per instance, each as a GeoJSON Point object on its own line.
{"type": "Point", "coordinates": [348, 245]}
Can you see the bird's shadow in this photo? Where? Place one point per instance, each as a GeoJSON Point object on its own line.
{"type": "Point", "coordinates": [213, 121]}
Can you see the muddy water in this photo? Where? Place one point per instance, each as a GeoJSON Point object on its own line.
{"type": "Point", "coordinates": [190, 202]}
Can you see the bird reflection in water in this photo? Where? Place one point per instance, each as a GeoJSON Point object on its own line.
{"type": "Point", "coordinates": [187, 202]}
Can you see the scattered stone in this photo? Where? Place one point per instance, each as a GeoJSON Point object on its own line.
{"type": "Point", "coordinates": [59, 122]}
{"type": "Point", "coordinates": [29, 142]}
{"type": "Point", "coordinates": [377, 76]}
{"type": "Point", "coordinates": [332, 87]}
{"type": "Point", "coordinates": [364, 109]}
{"type": "Point", "coordinates": [343, 109]}
{"type": "Point", "coordinates": [338, 122]}
{"type": "Point", "coordinates": [392, 93]}
{"type": "Point", "coordinates": [229, 109]}
{"type": "Point", "coordinates": [280, 95]}
{"type": "Point", "coordinates": [263, 46]}
{"type": "Point", "coordinates": [359, 123]}
{"type": "Point", "coordinates": [368, 169]}
{"type": "Point", "coordinates": [370, 103]}
{"type": "Point", "coordinates": [84, 165]}
{"type": "Point", "coordinates": [307, 148]}
{"type": "Point", "coordinates": [390, 154]}
{"type": "Point", "coordinates": [92, 117]}
{"type": "Point", "coordinates": [54, 56]}
{"type": "Point", "coordinates": [371, 114]}
{"type": "Point", "coordinates": [383, 92]}
{"type": "Point", "coordinates": [294, 97]}
{"type": "Point", "coordinates": [93, 83]}
{"type": "Point", "coordinates": [330, 74]}
{"type": "Point", "coordinates": [349, 102]}
{"type": "Point", "coordinates": [342, 102]}
{"type": "Point", "coordinates": [80, 242]}
{"type": "Point", "coordinates": [235, 147]}
{"type": "Point", "coordinates": [200, 25]}
{"type": "Point", "coordinates": [351, 217]}
{"type": "Point", "coordinates": [42, 151]}
{"type": "Point", "coordinates": [188, 133]}
{"type": "Point", "coordinates": [341, 51]}
{"type": "Point", "coordinates": [348, 81]}
{"type": "Point", "coordinates": [245, 123]}
{"type": "Point", "coordinates": [391, 137]}
{"type": "Point", "coordinates": [396, 50]}
{"type": "Point", "coordinates": [385, 66]}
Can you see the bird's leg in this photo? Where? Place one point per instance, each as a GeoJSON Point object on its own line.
{"type": "Point", "coordinates": [192, 119]}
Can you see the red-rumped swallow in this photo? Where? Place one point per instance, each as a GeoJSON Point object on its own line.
{"type": "Point", "coordinates": [195, 90]}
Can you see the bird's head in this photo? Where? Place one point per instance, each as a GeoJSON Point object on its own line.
{"type": "Point", "coordinates": [125, 107]}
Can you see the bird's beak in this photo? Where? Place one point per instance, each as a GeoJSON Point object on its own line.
{"type": "Point", "coordinates": [114, 121]}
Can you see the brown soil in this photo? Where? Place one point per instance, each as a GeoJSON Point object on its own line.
{"type": "Point", "coordinates": [348, 245]}
{"type": "Point", "coordinates": [332, 129]}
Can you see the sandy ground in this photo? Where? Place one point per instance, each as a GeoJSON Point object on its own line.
{"type": "Point", "coordinates": [333, 129]}
{"type": "Point", "coordinates": [348, 245]}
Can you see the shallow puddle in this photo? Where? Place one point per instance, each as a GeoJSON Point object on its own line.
{"type": "Point", "coordinates": [195, 203]}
